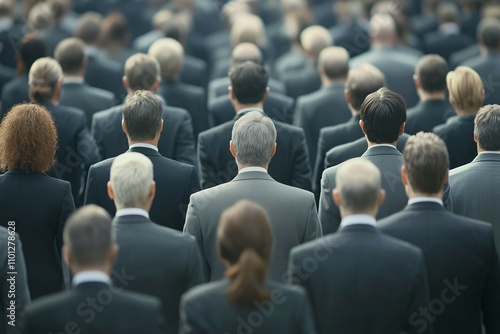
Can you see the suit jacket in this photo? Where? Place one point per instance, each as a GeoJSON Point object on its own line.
{"type": "Point", "coordinates": [6, 75]}
{"type": "Point", "coordinates": [175, 182]}
{"type": "Point", "coordinates": [353, 288]}
{"type": "Point", "coordinates": [292, 60]}
{"type": "Point", "coordinates": [458, 134]}
{"type": "Point", "coordinates": [322, 108]}
{"type": "Point", "coordinates": [389, 162]}
{"type": "Point", "coordinates": [290, 164]}
{"type": "Point", "coordinates": [41, 226]}
{"type": "Point", "coordinates": [14, 92]}
{"type": "Point", "coordinates": [474, 191]}
{"type": "Point", "coordinates": [426, 115]}
{"type": "Point", "coordinates": [70, 309]}
{"type": "Point", "coordinates": [176, 141]}
{"type": "Point", "coordinates": [292, 214]}
{"type": "Point", "coordinates": [164, 263]}
{"type": "Point", "coordinates": [459, 57]}
{"type": "Point", "coordinates": [302, 81]}
{"type": "Point", "coordinates": [487, 66]}
{"type": "Point", "coordinates": [351, 35]}
{"type": "Point", "coordinates": [105, 74]}
{"type": "Point", "coordinates": [219, 87]}
{"type": "Point", "coordinates": [194, 72]}
{"type": "Point", "coordinates": [205, 309]}
{"type": "Point", "coordinates": [437, 42]}
{"type": "Point", "coordinates": [462, 264]}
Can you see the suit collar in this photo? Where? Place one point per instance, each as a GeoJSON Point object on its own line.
{"type": "Point", "coordinates": [487, 156]}
{"type": "Point", "coordinates": [252, 176]}
{"type": "Point", "coordinates": [144, 150]}
{"type": "Point", "coordinates": [244, 111]}
{"type": "Point", "coordinates": [18, 171]}
{"type": "Point", "coordinates": [419, 206]}
{"type": "Point", "coordinates": [381, 150]}
{"type": "Point", "coordinates": [359, 228]}
{"type": "Point", "coordinates": [131, 219]}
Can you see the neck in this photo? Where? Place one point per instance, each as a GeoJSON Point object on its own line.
{"type": "Point", "coordinates": [354, 112]}
{"type": "Point", "coordinates": [240, 167]}
{"type": "Point", "coordinates": [461, 112]}
{"type": "Point", "coordinates": [146, 206]}
{"type": "Point", "coordinates": [370, 144]}
{"type": "Point", "coordinates": [427, 96]}
{"type": "Point", "coordinates": [153, 142]}
{"type": "Point", "coordinates": [75, 269]}
{"type": "Point", "coordinates": [413, 194]}
{"type": "Point", "coordinates": [238, 106]}
{"type": "Point", "coordinates": [345, 213]}
{"type": "Point", "coordinates": [325, 81]}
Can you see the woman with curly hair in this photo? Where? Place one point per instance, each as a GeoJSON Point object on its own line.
{"type": "Point", "coordinates": [37, 204]}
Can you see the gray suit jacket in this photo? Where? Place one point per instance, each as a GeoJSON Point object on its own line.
{"type": "Point", "coordinates": [292, 214]}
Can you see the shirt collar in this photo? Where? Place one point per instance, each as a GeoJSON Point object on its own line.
{"type": "Point", "coordinates": [152, 147]}
{"type": "Point", "coordinates": [91, 276]}
{"type": "Point", "coordinates": [252, 169]}
{"type": "Point", "coordinates": [425, 199]}
{"type": "Point", "coordinates": [358, 219]}
{"type": "Point", "coordinates": [387, 145]}
{"type": "Point", "coordinates": [132, 212]}
{"type": "Point", "coordinates": [73, 79]}
{"type": "Point", "coordinates": [488, 152]}
{"type": "Point", "coordinates": [249, 109]}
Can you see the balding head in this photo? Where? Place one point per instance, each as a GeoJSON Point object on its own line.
{"type": "Point", "coordinates": [70, 53]}
{"type": "Point", "coordinates": [362, 81]}
{"type": "Point", "coordinates": [383, 29]}
{"type": "Point", "coordinates": [333, 63]}
{"type": "Point", "coordinates": [246, 52]}
{"type": "Point", "coordinates": [142, 72]}
{"type": "Point", "coordinates": [170, 55]}
{"type": "Point", "coordinates": [314, 39]}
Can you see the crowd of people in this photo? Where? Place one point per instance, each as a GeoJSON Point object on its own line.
{"type": "Point", "coordinates": [250, 166]}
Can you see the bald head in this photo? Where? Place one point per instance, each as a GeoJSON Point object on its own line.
{"type": "Point", "coordinates": [333, 63]}
{"type": "Point", "coordinates": [246, 52]}
{"type": "Point", "coordinates": [170, 55]}
{"type": "Point", "coordinates": [314, 39]}
{"type": "Point", "coordinates": [383, 29]}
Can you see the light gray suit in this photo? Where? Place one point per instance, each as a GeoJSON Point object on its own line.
{"type": "Point", "coordinates": [292, 214]}
{"type": "Point", "coordinates": [474, 189]}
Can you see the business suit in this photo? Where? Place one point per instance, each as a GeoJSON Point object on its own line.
{"type": "Point", "coordinates": [458, 252]}
{"type": "Point", "coordinates": [176, 141]}
{"type": "Point", "coordinates": [205, 309]}
{"type": "Point", "coordinates": [302, 81]}
{"type": "Point", "coordinates": [72, 310]}
{"type": "Point", "coordinates": [290, 164]}
{"type": "Point", "coordinates": [353, 288]}
{"type": "Point", "coordinates": [426, 115]}
{"type": "Point", "coordinates": [292, 214]}
{"type": "Point", "coordinates": [324, 107]}
{"type": "Point", "coordinates": [105, 74]}
{"type": "Point", "coordinates": [165, 263]}
{"type": "Point", "coordinates": [6, 75]}
{"type": "Point", "coordinates": [292, 60]}
{"type": "Point", "coordinates": [389, 161]}
{"type": "Point", "coordinates": [175, 182]}
{"type": "Point", "coordinates": [444, 44]}
{"type": "Point", "coordinates": [39, 205]}
{"type": "Point", "coordinates": [219, 87]}
{"type": "Point", "coordinates": [458, 134]}
{"type": "Point", "coordinates": [487, 66]}
{"type": "Point", "coordinates": [14, 92]}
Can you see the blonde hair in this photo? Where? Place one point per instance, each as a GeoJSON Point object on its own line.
{"type": "Point", "coordinates": [466, 89]}
{"type": "Point", "coordinates": [248, 28]}
{"type": "Point", "coordinates": [314, 39]}
{"type": "Point", "coordinates": [170, 55]}
{"type": "Point", "coordinates": [45, 74]}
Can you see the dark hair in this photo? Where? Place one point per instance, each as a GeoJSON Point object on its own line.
{"type": "Point", "coordinates": [88, 27]}
{"type": "Point", "coordinates": [245, 241]}
{"type": "Point", "coordinates": [431, 70]}
{"type": "Point", "coordinates": [383, 113]}
{"type": "Point", "coordinates": [249, 82]}
{"type": "Point", "coordinates": [487, 127]}
{"type": "Point", "coordinates": [426, 161]}
{"type": "Point", "coordinates": [28, 139]}
{"type": "Point", "coordinates": [114, 28]}
{"type": "Point", "coordinates": [362, 81]}
{"type": "Point", "coordinates": [30, 49]}
{"type": "Point", "coordinates": [70, 53]}
{"type": "Point", "coordinates": [488, 32]}
{"type": "Point", "coordinates": [142, 115]}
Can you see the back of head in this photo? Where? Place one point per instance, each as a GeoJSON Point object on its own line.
{"type": "Point", "coordinates": [334, 62]}
{"type": "Point", "coordinates": [114, 29]}
{"type": "Point", "coordinates": [362, 81]}
{"type": "Point", "coordinates": [431, 71]}
{"type": "Point", "coordinates": [383, 29]}
{"type": "Point", "coordinates": [314, 39]}
{"type": "Point", "coordinates": [142, 72]}
{"type": "Point", "coordinates": [248, 29]}
{"type": "Point", "coordinates": [466, 89]}
{"type": "Point", "coordinates": [488, 33]}
{"type": "Point", "coordinates": [88, 28]}
{"type": "Point", "coordinates": [44, 77]}
{"type": "Point", "coordinates": [296, 16]}
{"type": "Point", "coordinates": [487, 127]}
{"type": "Point", "coordinates": [28, 139]}
{"type": "Point", "coordinates": [130, 178]}
{"type": "Point", "coordinates": [448, 13]}
{"type": "Point", "coordinates": [244, 242]}
{"type": "Point", "coordinates": [383, 113]}
{"type": "Point", "coordinates": [246, 52]}
{"type": "Point", "coordinates": [253, 139]}
{"type": "Point", "coordinates": [40, 17]}
{"type": "Point", "coordinates": [142, 116]}
{"type": "Point", "coordinates": [70, 54]}
{"type": "Point", "coordinates": [248, 82]}
{"type": "Point", "coordinates": [426, 161]}
{"type": "Point", "coordinates": [490, 10]}
{"type": "Point", "coordinates": [170, 55]}
{"type": "Point", "coordinates": [7, 8]}
{"type": "Point", "coordinates": [30, 49]}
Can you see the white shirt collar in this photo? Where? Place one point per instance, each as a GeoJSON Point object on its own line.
{"type": "Point", "coordinates": [359, 219]}
{"type": "Point", "coordinates": [249, 109]}
{"type": "Point", "coordinates": [144, 145]}
{"type": "Point", "coordinates": [424, 199]}
{"type": "Point", "coordinates": [90, 276]}
{"type": "Point", "coordinates": [387, 145]}
{"type": "Point", "coordinates": [253, 169]}
{"type": "Point", "coordinates": [132, 212]}
{"type": "Point", "coordinates": [73, 79]}
{"type": "Point", "coordinates": [494, 152]}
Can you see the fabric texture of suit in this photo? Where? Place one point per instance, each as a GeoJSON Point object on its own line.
{"type": "Point", "coordinates": [176, 141]}
{"type": "Point", "coordinates": [488, 67]}
{"type": "Point", "coordinates": [39, 205]}
{"type": "Point", "coordinates": [205, 309]}
{"type": "Point", "coordinates": [302, 81]}
{"type": "Point", "coordinates": [194, 72]}
{"type": "Point", "coordinates": [175, 182]}
{"type": "Point", "coordinates": [14, 92]}
{"type": "Point", "coordinates": [443, 44]}
{"type": "Point", "coordinates": [354, 288]}
{"type": "Point", "coordinates": [389, 161]}
{"type": "Point", "coordinates": [462, 264]}
{"type": "Point", "coordinates": [290, 164]}
{"type": "Point", "coordinates": [71, 310]}
{"type": "Point", "coordinates": [105, 74]}
{"type": "Point", "coordinates": [426, 115]}
{"type": "Point", "coordinates": [292, 214]}
{"type": "Point", "coordinates": [164, 263]}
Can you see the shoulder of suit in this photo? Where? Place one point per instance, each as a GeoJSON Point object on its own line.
{"type": "Point", "coordinates": [455, 172]}
{"type": "Point", "coordinates": [101, 93]}
{"type": "Point", "coordinates": [175, 111]}
{"type": "Point", "coordinates": [71, 111]}
{"type": "Point", "coordinates": [104, 164]}
{"type": "Point", "coordinates": [280, 126]}
{"type": "Point", "coordinates": [113, 111]}
{"type": "Point", "coordinates": [217, 130]}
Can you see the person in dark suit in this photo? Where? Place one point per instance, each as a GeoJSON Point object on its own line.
{"type": "Point", "coordinates": [474, 186]}
{"type": "Point", "coordinates": [11, 34]}
{"type": "Point", "coordinates": [37, 203]}
{"type": "Point", "coordinates": [382, 107]}
{"type": "Point", "coordinates": [245, 241]}
{"type": "Point", "coordinates": [93, 305]}
{"type": "Point", "coordinates": [175, 181]}
{"type": "Point", "coordinates": [142, 72]}
{"type": "Point", "coordinates": [70, 54]}
{"type": "Point", "coordinates": [132, 188]}
{"type": "Point", "coordinates": [350, 286]}
{"type": "Point", "coordinates": [433, 109]}
{"type": "Point", "coordinates": [466, 95]}
{"type": "Point", "coordinates": [460, 254]}
{"type": "Point", "coordinates": [248, 89]}
{"type": "Point", "coordinates": [326, 106]}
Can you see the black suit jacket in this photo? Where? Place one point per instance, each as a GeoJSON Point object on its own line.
{"type": "Point", "coordinates": [444, 44]}
{"type": "Point", "coordinates": [105, 74]}
{"type": "Point", "coordinates": [194, 72]}
{"type": "Point", "coordinates": [164, 263]}
{"type": "Point", "coordinates": [39, 205]}
{"type": "Point", "coordinates": [462, 263]}
{"type": "Point", "coordinates": [302, 81]}
{"type": "Point", "coordinates": [426, 115]}
{"type": "Point", "coordinates": [488, 68]}
{"type": "Point", "coordinates": [290, 164]}
{"type": "Point", "coordinates": [111, 312]}
{"type": "Point", "coordinates": [176, 141]}
{"type": "Point", "coordinates": [6, 75]}
{"type": "Point", "coordinates": [175, 182]}
{"type": "Point", "coordinates": [363, 281]}
{"type": "Point", "coordinates": [14, 92]}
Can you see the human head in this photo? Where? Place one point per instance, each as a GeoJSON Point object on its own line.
{"type": "Point", "coordinates": [40, 17]}
{"type": "Point", "coordinates": [30, 49]}
{"type": "Point", "coordinates": [253, 140]}
{"type": "Point", "coordinates": [170, 55]}
{"type": "Point", "coordinates": [383, 29]}
{"type": "Point", "coordinates": [448, 13]}
{"type": "Point", "coordinates": [430, 74]}
{"type": "Point", "coordinates": [488, 33]}
{"type": "Point", "coordinates": [114, 30]}
{"type": "Point", "coordinates": [28, 139]}
{"type": "Point", "coordinates": [7, 8]}
{"type": "Point", "coordinates": [70, 53]}
{"type": "Point", "coordinates": [142, 72]}
{"type": "Point", "coordinates": [426, 164]}
{"type": "Point", "coordinates": [244, 242]}
{"type": "Point", "coordinates": [248, 83]}
{"type": "Point", "coordinates": [88, 28]}
{"type": "Point", "coordinates": [248, 29]}
{"type": "Point", "coordinates": [333, 63]}
{"type": "Point", "coordinates": [487, 128]}
{"type": "Point", "coordinates": [383, 115]}
{"type": "Point", "coordinates": [246, 52]}
{"type": "Point", "coordinates": [45, 79]}
{"type": "Point", "coordinates": [131, 182]}
{"type": "Point", "coordinates": [360, 82]}
{"type": "Point", "coordinates": [142, 117]}
{"type": "Point", "coordinates": [358, 188]}
{"type": "Point", "coordinates": [466, 90]}
{"type": "Point", "coordinates": [314, 39]}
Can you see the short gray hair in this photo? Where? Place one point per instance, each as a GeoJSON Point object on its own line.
{"type": "Point", "coordinates": [170, 55]}
{"type": "Point", "coordinates": [487, 127]}
{"type": "Point", "coordinates": [131, 177]}
{"type": "Point", "coordinates": [253, 137]}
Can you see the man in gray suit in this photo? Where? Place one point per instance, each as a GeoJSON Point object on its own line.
{"type": "Point", "coordinates": [382, 107]}
{"type": "Point", "coordinates": [292, 211]}
{"type": "Point", "coordinates": [474, 186]}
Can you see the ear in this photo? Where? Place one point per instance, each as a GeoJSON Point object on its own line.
{"type": "Point", "coordinates": [404, 175]}
{"type": "Point", "coordinates": [113, 253]}
{"type": "Point", "coordinates": [362, 126]}
{"type": "Point", "coordinates": [273, 152]}
{"type": "Point", "coordinates": [381, 197]}
{"type": "Point", "coordinates": [445, 180]}
{"type": "Point", "coordinates": [266, 93]}
{"type": "Point", "coordinates": [231, 148]}
{"type": "Point", "coordinates": [124, 128]}
{"type": "Point", "coordinates": [152, 190]}
{"type": "Point", "coordinates": [231, 93]}
{"type": "Point", "coordinates": [156, 84]}
{"type": "Point", "coordinates": [402, 129]}
{"type": "Point", "coordinates": [125, 83]}
{"type": "Point", "coordinates": [67, 256]}
{"type": "Point", "coordinates": [111, 193]}
{"type": "Point", "coordinates": [475, 137]}
{"type": "Point", "coordinates": [347, 96]}
{"type": "Point", "coordinates": [416, 81]}
{"type": "Point", "coordinates": [336, 197]}
{"type": "Point", "coordinates": [161, 126]}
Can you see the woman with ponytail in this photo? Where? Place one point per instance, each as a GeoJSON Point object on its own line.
{"type": "Point", "coordinates": [246, 302]}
